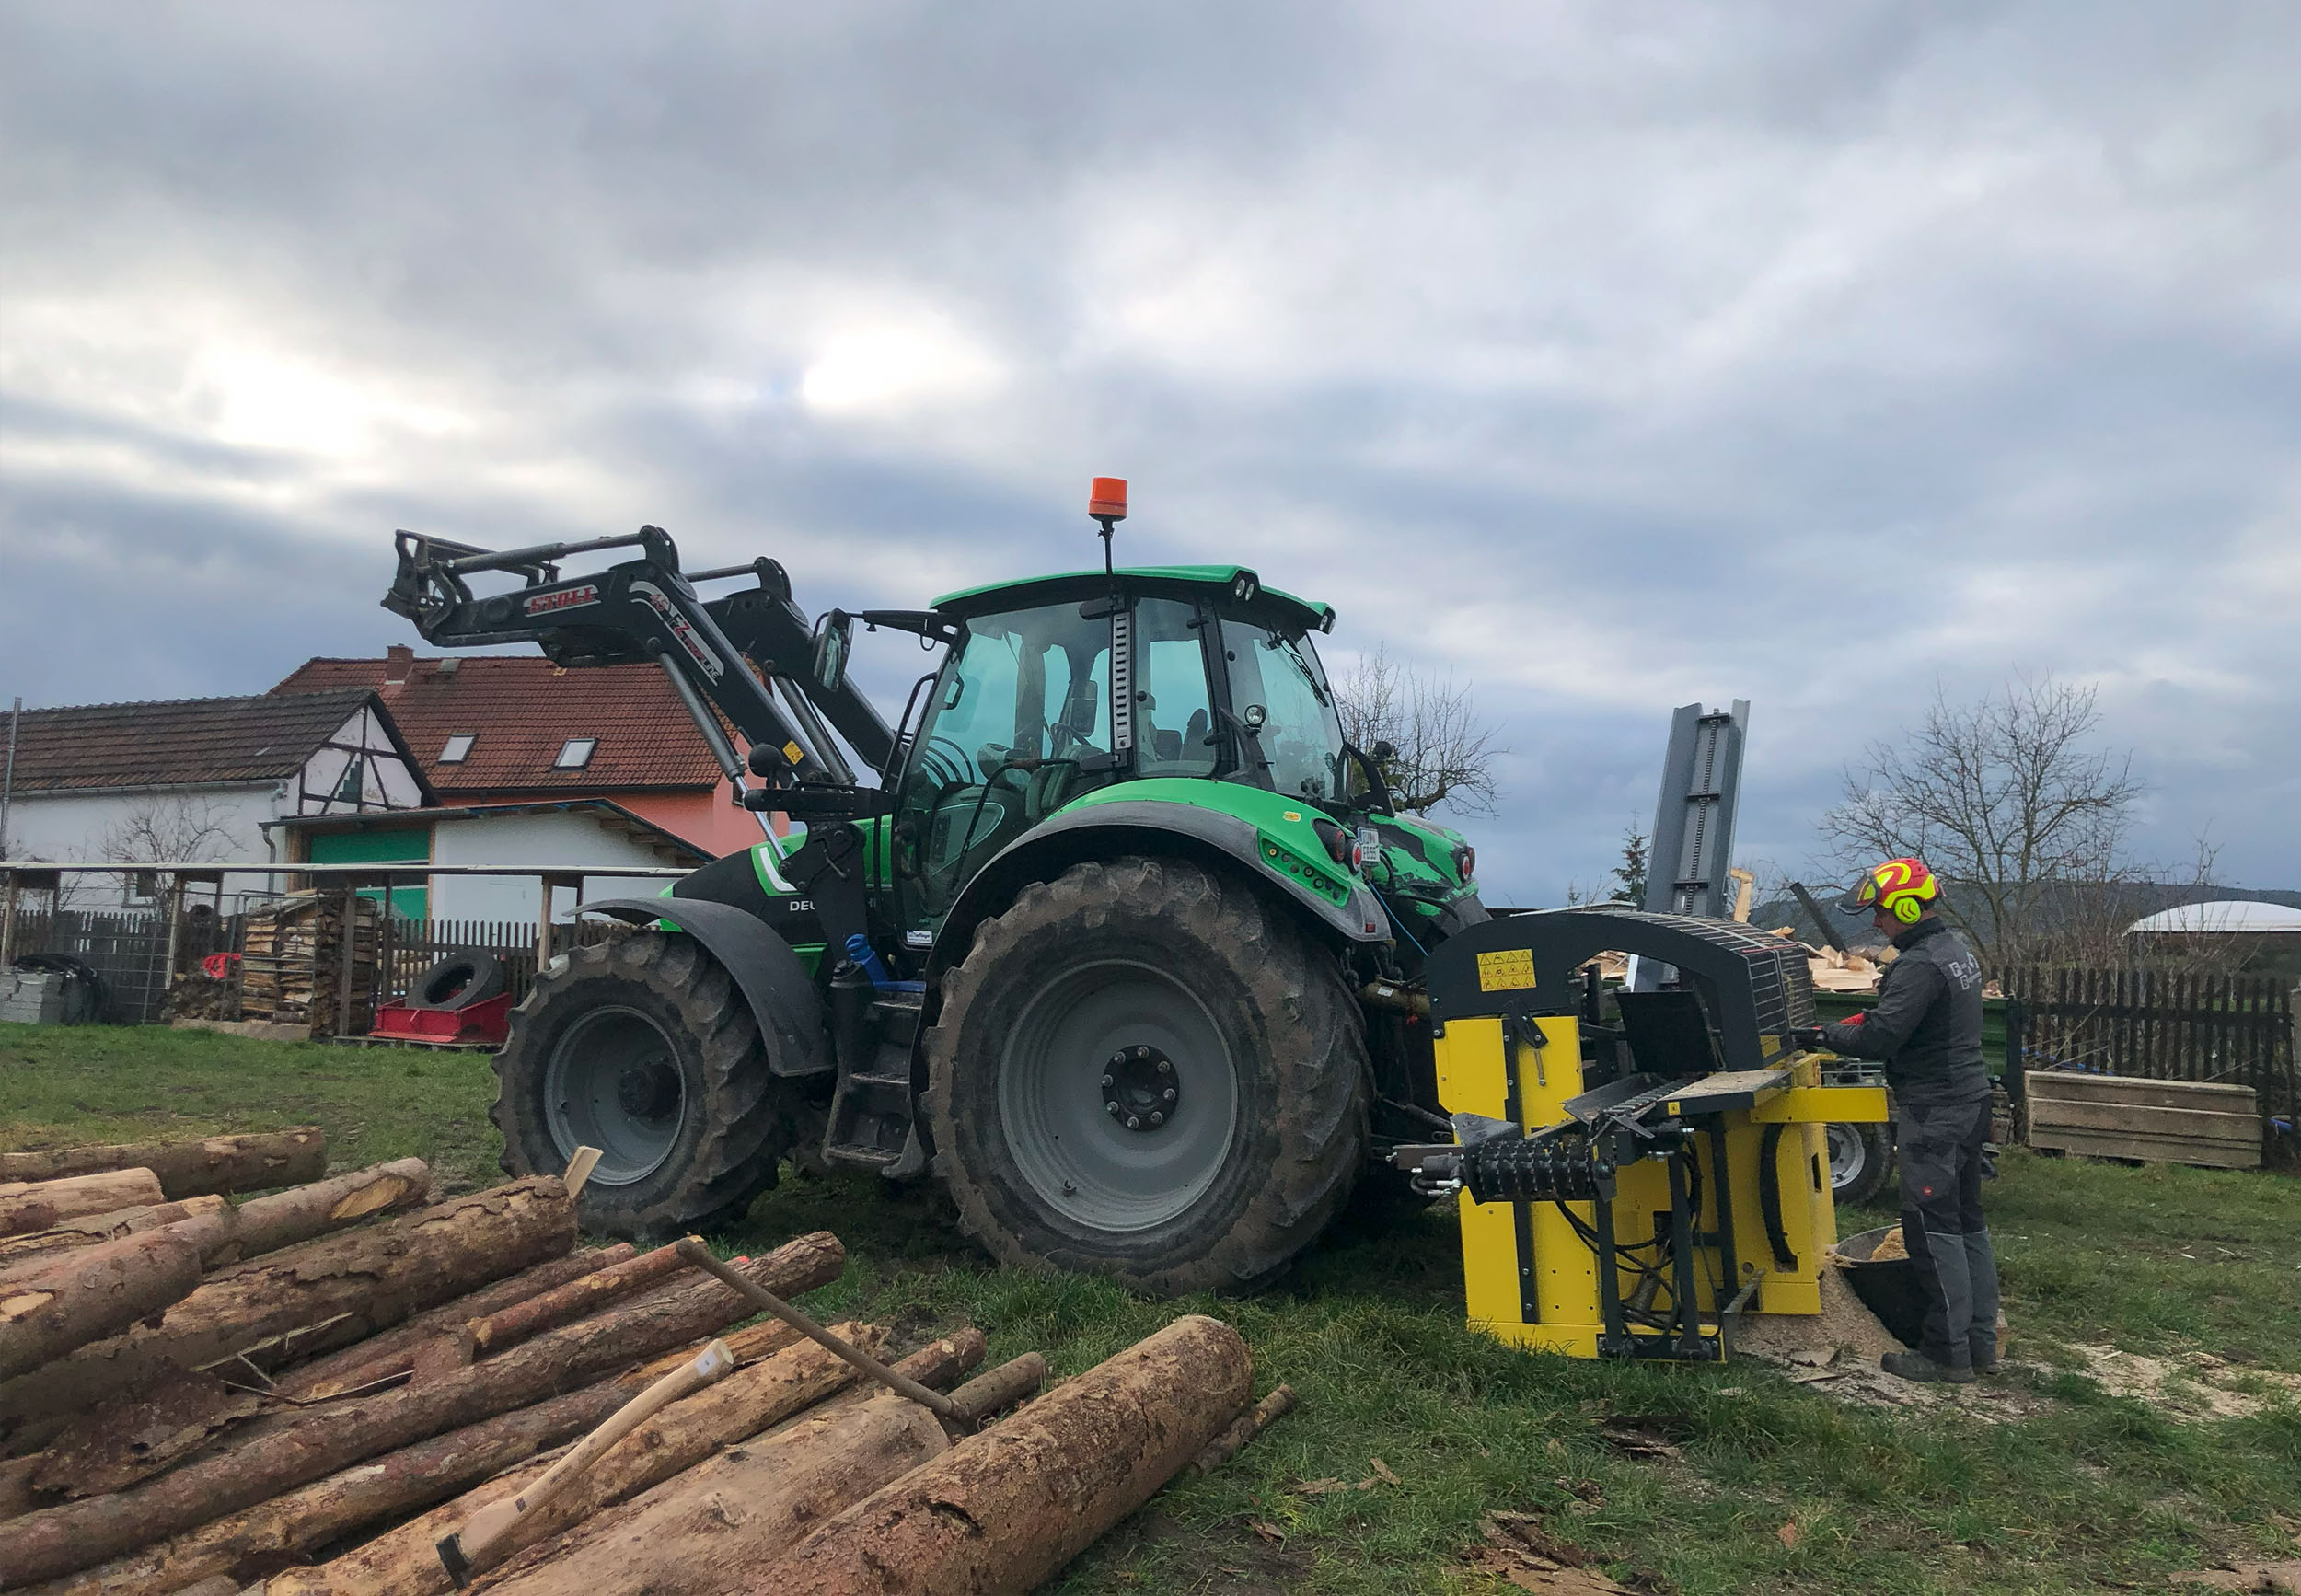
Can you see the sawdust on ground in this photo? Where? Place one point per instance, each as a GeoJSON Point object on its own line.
{"type": "Point", "coordinates": [2195, 1385]}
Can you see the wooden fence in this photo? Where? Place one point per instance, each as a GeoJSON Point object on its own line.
{"type": "Point", "coordinates": [2230, 1030]}
{"type": "Point", "coordinates": [130, 950]}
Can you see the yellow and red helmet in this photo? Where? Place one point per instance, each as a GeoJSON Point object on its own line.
{"type": "Point", "coordinates": [1904, 887]}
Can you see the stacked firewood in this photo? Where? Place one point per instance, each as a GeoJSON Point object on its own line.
{"type": "Point", "coordinates": [296, 964]}
{"type": "Point", "coordinates": [196, 995]}
{"type": "Point", "coordinates": [343, 1388]}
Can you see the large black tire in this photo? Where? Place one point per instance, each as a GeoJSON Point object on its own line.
{"type": "Point", "coordinates": [1073, 1000]}
{"type": "Point", "coordinates": [643, 1047]}
{"type": "Point", "coordinates": [457, 982]}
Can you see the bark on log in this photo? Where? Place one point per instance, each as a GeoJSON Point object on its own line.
{"type": "Point", "coordinates": [139, 1434]}
{"type": "Point", "coordinates": [361, 1280]}
{"type": "Point", "coordinates": [208, 1167]}
{"type": "Point", "coordinates": [565, 1304]}
{"type": "Point", "coordinates": [29, 1254]}
{"type": "Point", "coordinates": [17, 1495]}
{"type": "Point", "coordinates": [404, 1562]}
{"type": "Point", "coordinates": [28, 1206]}
{"type": "Point", "coordinates": [265, 1224]}
{"type": "Point", "coordinates": [748, 1346]}
{"type": "Point", "coordinates": [1003, 1510]}
{"type": "Point", "coordinates": [90, 1294]}
{"type": "Point", "coordinates": [394, 1350]}
{"type": "Point", "coordinates": [282, 1453]}
{"type": "Point", "coordinates": [271, 1535]}
{"type": "Point", "coordinates": [699, 1533]}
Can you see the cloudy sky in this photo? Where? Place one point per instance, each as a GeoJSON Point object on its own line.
{"type": "Point", "coordinates": [1609, 356]}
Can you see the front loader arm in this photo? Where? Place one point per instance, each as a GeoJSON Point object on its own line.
{"type": "Point", "coordinates": [640, 610]}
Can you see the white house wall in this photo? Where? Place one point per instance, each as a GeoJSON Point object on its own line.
{"type": "Point", "coordinates": [574, 837]}
{"type": "Point", "coordinates": [74, 826]}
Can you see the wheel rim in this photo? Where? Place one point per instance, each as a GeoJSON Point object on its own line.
{"type": "Point", "coordinates": [1073, 1150]}
{"type": "Point", "coordinates": [614, 1083]}
{"type": "Point", "coordinates": [1849, 1156]}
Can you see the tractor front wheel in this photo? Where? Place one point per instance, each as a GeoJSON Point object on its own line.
{"type": "Point", "coordinates": [644, 1049]}
{"type": "Point", "coordinates": [1143, 1071]}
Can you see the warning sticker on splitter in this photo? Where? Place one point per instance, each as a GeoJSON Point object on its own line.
{"type": "Point", "coordinates": [1512, 970]}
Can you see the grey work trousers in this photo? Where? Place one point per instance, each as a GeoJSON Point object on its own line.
{"type": "Point", "coordinates": [1941, 1151]}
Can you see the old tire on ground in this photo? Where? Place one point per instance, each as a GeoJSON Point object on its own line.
{"type": "Point", "coordinates": [644, 1049]}
{"type": "Point", "coordinates": [1861, 1160]}
{"type": "Point", "coordinates": [1078, 1009]}
{"type": "Point", "coordinates": [457, 982]}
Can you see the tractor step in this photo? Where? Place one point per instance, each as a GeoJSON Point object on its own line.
{"type": "Point", "coordinates": [870, 1123]}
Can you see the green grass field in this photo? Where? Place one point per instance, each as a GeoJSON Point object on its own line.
{"type": "Point", "coordinates": [2072, 1490]}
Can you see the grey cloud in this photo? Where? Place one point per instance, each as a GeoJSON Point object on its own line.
{"type": "Point", "coordinates": [1611, 356]}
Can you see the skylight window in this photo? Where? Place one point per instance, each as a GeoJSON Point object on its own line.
{"type": "Point", "coordinates": [574, 754]}
{"type": "Point", "coordinates": [459, 749]}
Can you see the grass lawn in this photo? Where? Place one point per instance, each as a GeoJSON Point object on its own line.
{"type": "Point", "coordinates": [1780, 1487]}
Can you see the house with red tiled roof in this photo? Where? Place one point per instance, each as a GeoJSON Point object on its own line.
{"type": "Point", "coordinates": [199, 780]}
{"type": "Point", "coordinates": [530, 764]}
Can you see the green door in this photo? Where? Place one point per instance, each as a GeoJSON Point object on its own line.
{"type": "Point", "coordinates": [380, 845]}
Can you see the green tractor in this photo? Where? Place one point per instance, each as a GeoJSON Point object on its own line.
{"type": "Point", "coordinates": [1124, 947]}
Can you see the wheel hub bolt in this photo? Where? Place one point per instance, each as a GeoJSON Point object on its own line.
{"type": "Point", "coordinates": [1168, 1095]}
{"type": "Point", "coordinates": [1158, 1120]}
{"type": "Point", "coordinates": [1114, 1108]}
{"type": "Point", "coordinates": [1133, 1123]}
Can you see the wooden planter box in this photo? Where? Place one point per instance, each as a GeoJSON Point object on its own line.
{"type": "Point", "coordinates": [2157, 1121]}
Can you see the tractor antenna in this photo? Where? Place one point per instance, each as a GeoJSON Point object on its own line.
{"type": "Point", "coordinates": [1106, 502]}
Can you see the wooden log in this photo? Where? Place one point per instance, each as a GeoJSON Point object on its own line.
{"type": "Point", "coordinates": [213, 1165]}
{"type": "Point", "coordinates": [749, 1344]}
{"type": "Point", "coordinates": [699, 1533]}
{"type": "Point", "coordinates": [27, 1206]}
{"type": "Point", "coordinates": [265, 1224]}
{"type": "Point", "coordinates": [360, 1281]}
{"type": "Point", "coordinates": [37, 1249]}
{"type": "Point", "coordinates": [1013, 1381]}
{"type": "Point", "coordinates": [271, 1535]}
{"type": "Point", "coordinates": [394, 1350]}
{"type": "Point", "coordinates": [90, 1294]}
{"type": "Point", "coordinates": [1005, 1509]}
{"type": "Point", "coordinates": [1250, 1423]}
{"type": "Point", "coordinates": [282, 1453]}
{"type": "Point", "coordinates": [747, 1402]}
{"type": "Point", "coordinates": [406, 1562]}
{"type": "Point", "coordinates": [564, 1304]}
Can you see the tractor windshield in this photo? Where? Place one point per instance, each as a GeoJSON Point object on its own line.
{"type": "Point", "coordinates": [1300, 735]}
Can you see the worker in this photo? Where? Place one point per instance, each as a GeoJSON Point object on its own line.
{"type": "Point", "coordinates": [1927, 1029]}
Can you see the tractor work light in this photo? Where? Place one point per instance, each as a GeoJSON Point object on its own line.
{"type": "Point", "coordinates": [1107, 498]}
{"type": "Point", "coordinates": [1244, 586]}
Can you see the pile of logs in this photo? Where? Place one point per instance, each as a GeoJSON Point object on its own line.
{"type": "Point", "coordinates": [305, 965]}
{"type": "Point", "coordinates": [343, 1389]}
{"type": "Point", "coordinates": [196, 995]}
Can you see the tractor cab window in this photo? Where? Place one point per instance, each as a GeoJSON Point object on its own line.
{"type": "Point", "coordinates": [1017, 722]}
{"type": "Point", "coordinates": [1300, 735]}
{"type": "Point", "coordinates": [1172, 714]}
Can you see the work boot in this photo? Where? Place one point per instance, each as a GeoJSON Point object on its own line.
{"type": "Point", "coordinates": [1916, 1366]}
{"type": "Point", "coordinates": [1984, 1353]}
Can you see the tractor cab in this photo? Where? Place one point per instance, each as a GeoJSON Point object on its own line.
{"type": "Point", "coordinates": [1059, 686]}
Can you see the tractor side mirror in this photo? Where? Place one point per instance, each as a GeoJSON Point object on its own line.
{"type": "Point", "coordinates": [1382, 753]}
{"type": "Point", "coordinates": [831, 642]}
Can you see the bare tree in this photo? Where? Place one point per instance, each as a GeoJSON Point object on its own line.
{"type": "Point", "coordinates": [1439, 752]}
{"type": "Point", "coordinates": [186, 828]}
{"type": "Point", "coordinates": [2006, 800]}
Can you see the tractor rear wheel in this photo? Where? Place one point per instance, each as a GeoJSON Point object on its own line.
{"type": "Point", "coordinates": [644, 1049]}
{"type": "Point", "coordinates": [1143, 1071]}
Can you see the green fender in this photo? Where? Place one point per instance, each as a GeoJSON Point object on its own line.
{"type": "Point", "coordinates": [1218, 824]}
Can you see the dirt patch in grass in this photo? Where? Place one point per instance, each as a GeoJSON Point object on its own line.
{"type": "Point", "coordinates": [2195, 1385]}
